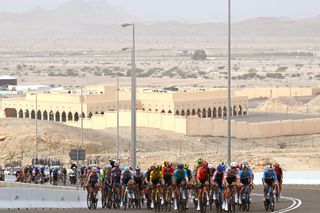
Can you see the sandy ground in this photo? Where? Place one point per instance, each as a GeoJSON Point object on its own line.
{"type": "Point", "coordinates": [17, 143]}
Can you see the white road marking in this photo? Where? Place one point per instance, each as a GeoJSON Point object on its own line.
{"type": "Point", "coordinates": [296, 203]}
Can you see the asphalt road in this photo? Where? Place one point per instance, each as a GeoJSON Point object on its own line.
{"type": "Point", "coordinates": [305, 199]}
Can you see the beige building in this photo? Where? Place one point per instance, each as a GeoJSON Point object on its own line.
{"type": "Point", "coordinates": [97, 100]}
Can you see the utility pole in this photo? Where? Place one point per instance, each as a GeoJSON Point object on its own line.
{"type": "Point", "coordinates": [118, 145]}
{"type": "Point", "coordinates": [229, 81]}
{"type": "Point", "coordinates": [36, 117]}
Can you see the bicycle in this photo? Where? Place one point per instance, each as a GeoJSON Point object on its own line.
{"type": "Point", "coordinates": [182, 201]}
{"type": "Point", "coordinates": [157, 199]}
{"type": "Point", "coordinates": [91, 200]}
{"type": "Point", "coordinates": [245, 198]}
{"type": "Point", "coordinates": [116, 196]}
{"type": "Point", "coordinates": [219, 199]}
{"type": "Point", "coordinates": [231, 199]}
{"type": "Point", "coordinates": [167, 198]}
{"type": "Point", "coordinates": [269, 202]}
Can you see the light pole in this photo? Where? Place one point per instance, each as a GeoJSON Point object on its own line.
{"type": "Point", "coordinates": [36, 117]}
{"type": "Point", "coordinates": [133, 98]}
{"type": "Point", "coordinates": [118, 145]}
{"type": "Point", "coordinates": [229, 81]}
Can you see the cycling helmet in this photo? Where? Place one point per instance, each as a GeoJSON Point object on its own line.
{"type": "Point", "coordinates": [221, 168]}
{"type": "Point", "coordinates": [152, 168]}
{"type": "Point", "coordinates": [165, 163]}
{"type": "Point", "coordinates": [210, 166]}
{"type": "Point", "coordinates": [186, 166]}
{"type": "Point", "coordinates": [157, 168]}
{"type": "Point", "coordinates": [180, 166]}
{"type": "Point", "coordinates": [116, 164]}
{"type": "Point", "coordinates": [200, 160]}
{"type": "Point", "coordinates": [270, 167]}
{"type": "Point", "coordinates": [205, 164]}
{"type": "Point", "coordinates": [233, 165]}
{"type": "Point", "coordinates": [108, 167]}
{"type": "Point", "coordinates": [169, 164]}
{"type": "Point", "coordinates": [138, 168]}
{"type": "Point", "coordinates": [126, 168]}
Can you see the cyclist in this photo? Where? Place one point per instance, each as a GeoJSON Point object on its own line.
{"type": "Point", "coordinates": [279, 174]}
{"type": "Point", "coordinates": [246, 178]}
{"type": "Point", "coordinates": [218, 177]}
{"type": "Point", "coordinates": [199, 161]}
{"type": "Point", "coordinates": [269, 178]}
{"type": "Point", "coordinates": [180, 175]}
{"type": "Point", "coordinates": [189, 172]}
{"type": "Point", "coordinates": [231, 178]}
{"type": "Point", "coordinates": [167, 177]}
{"type": "Point", "coordinates": [138, 178]}
{"type": "Point", "coordinates": [105, 180]}
{"type": "Point", "coordinates": [155, 181]}
{"type": "Point", "coordinates": [203, 178]}
{"type": "Point", "coordinates": [212, 170]}
{"type": "Point", "coordinates": [126, 176]}
{"type": "Point", "coordinates": [93, 181]}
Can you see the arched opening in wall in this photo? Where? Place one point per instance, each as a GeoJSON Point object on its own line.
{"type": "Point", "coordinates": [33, 114]}
{"type": "Point", "coordinates": [51, 116]}
{"type": "Point", "coordinates": [26, 114]}
{"type": "Point", "coordinates": [199, 113]}
{"type": "Point", "coordinates": [193, 112]}
{"type": "Point", "coordinates": [163, 111]}
{"type": "Point", "coordinates": [20, 113]}
{"type": "Point", "coordinates": [204, 113]}
{"type": "Point", "coordinates": [96, 113]}
{"type": "Point", "coordinates": [224, 111]}
{"type": "Point", "coordinates": [83, 115]}
{"type": "Point", "coordinates": [209, 113]}
{"type": "Point", "coordinates": [39, 117]}
{"type": "Point", "coordinates": [64, 117]}
{"type": "Point", "coordinates": [90, 115]}
{"type": "Point", "coordinates": [245, 110]}
{"type": "Point", "coordinates": [177, 112]}
{"type": "Point", "coordinates": [219, 112]}
{"type": "Point", "coordinates": [169, 112]}
{"type": "Point", "coordinates": [76, 116]}
{"type": "Point", "coordinates": [234, 111]}
{"type": "Point", "coordinates": [214, 113]}
{"type": "Point", "coordinates": [10, 113]}
{"type": "Point", "coordinates": [58, 116]}
{"type": "Point", "coordinates": [188, 113]}
{"type": "Point", "coordinates": [102, 113]}
{"type": "Point", "coordinates": [143, 109]}
{"type": "Point", "coordinates": [70, 118]}
{"type": "Point", "coordinates": [183, 113]}
{"type": "Point", "coordinates": [149, 110]}
{"type": "Point", "coordinates": [240, 110]}
{"type": "Point", "coordinates": [156, 110]}
{"type": "Point", "coordinates": [45, 115]}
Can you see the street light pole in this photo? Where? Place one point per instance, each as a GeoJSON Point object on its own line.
{"type": "Point", "coordinates": [229, 81]}
{"type": "Point", "coordinates": [118, 145]}
{"type": "Point", "coordinates": [133, 99]}
{"type": "Point", "coordinates": [36, 117]}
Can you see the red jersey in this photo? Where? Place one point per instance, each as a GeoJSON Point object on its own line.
{"type": "Point", "coordinates": [203, 174]}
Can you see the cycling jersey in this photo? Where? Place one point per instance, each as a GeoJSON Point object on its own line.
{"type": "Point", "coordinates": [203, 174]}
{"type": "Point", "coordinates": [155, 178]}
{"type": "Point", "coordinates": [246, 177]}
{"type": "Point", "coordinates": [178, 176]}
{"type": "Point", "coordinates": [116, 175]}
{"type": "Point", "coordinates": [138, 177]}
{"type": "Point", "coordinates": [126, 176]}
{"type": "Point", "coordinates": [269, 178]}
{"type": "Point", "coordinates": [278, 171]}
{"type": "Point", "coordinates": [167, 174]}
{"type": "Point", "coordinates": [93, 179]}
{"type": "Point", "coordinates": [231, 176]}
{"type": "Point", "coordinates": [218, 177]}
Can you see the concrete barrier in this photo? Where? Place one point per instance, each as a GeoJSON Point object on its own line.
{"type": "Point", "coordinates": [25, 198]}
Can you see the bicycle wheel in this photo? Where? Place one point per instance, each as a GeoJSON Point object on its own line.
{"type": "Point", "coordinates": [125, 201]}
{"type": "Point", "coordinates": [266, 205]}
{"type": "Point", "coordinates": [89, 201]}
{"type": "Point", "coordinates": [203, 206]}
{"type": "Point", "coordinates": [272, 205]}
{"type": "Point", "coordinates": [94, 200]}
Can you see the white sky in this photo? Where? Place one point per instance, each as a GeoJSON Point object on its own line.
{"type": "Point", "coordinates": [190, 10]}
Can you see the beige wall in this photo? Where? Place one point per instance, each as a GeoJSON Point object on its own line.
{"type": "Point", "coordinates": [276, 92]}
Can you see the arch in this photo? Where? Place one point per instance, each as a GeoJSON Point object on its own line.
{"type": "Point", "coordinates": [143, 109]}
{"type": "Point", "coordinates": [219, 112]}
{"type": "Point", "coordinates": [51, 116]}
{"type": "Point", "coordinates": [96, 113]}
{"type": "Point", "coordinates": [214, 112]}
{"type": "Point", "coordinates": [76, 116]}
{"type": "Point", "coordinates": [209, 113]}
{"type": "Point", "coordinates": [90, 115]}
{"type": "Point", "coordinates": [183, 113]}
{"type": "Point", "coordinates": [199, 113]}
{"type": "Point", "coordinates": [177, 112]}
{"type": "Point", "coordinates": [102, 113]}
{"type": "Point", "coordinates": [26, 114]}
{"type": "Point", "coordinates": [10, 113]}
{"type": "Point", "coordinates": [156, 110]}
{"type": "Point", "coordinates": [204, 113]}
{"type": "Point", "coordinates": [70, 117]}
{"type": "Point", "coordinates": [224, 111]}
{"type": "Point", "coordinates": [58, 116]}
{"type": "Point", "coordinates": [193, 112]}
{"type": "Point", "coordinates": [64, 117]}
{"type": "Point", "coordinates": [169, 112]}
{"type": "Point", "coordinates": [20, 113]}
{"type": "Point", "coordinates": [149, 110]}
{"type": "Point", "coordinates": [33, 114]}
{"type": "Point", "coordinates": [188, 112]}
{"type": "Point", "coordinates": [245, 111]}
{"type": "Point", "coordinates": [163, 111]}
{"type": "Point", "coordinates": [45, 115]}
{"type": "Point", "coordinates": [240, 110]}
{"type": "Point", "coordinates": [39, 115]}
{"type": "Point", "coordinates": [234, 113]}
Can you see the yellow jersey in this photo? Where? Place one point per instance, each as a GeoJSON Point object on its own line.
{"type": "Point", "coordinates": [154, 176]}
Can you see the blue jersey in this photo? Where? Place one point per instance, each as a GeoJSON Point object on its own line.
{"type": "Point", "coordinates": [267, 176]}
{"type": "Point", "coordinates": [180, 175]}
{"type": "Point", "coordinates": [247, 175]}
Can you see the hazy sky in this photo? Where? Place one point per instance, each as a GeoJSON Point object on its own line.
{"type": "Point", "coordinates": [190, 10]}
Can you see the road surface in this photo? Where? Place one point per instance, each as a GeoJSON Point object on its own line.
{"type": "Point", "coordinates": [296, 199]}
